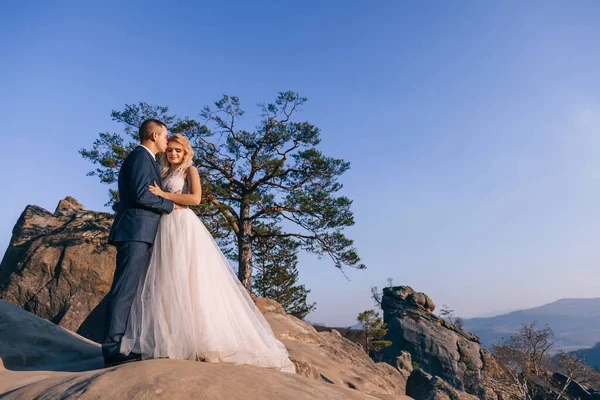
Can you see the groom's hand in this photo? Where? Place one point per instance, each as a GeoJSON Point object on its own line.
{"type": "Point", "coordinates": [178, 206]}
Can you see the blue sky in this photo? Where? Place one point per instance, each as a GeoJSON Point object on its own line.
{"type": "Point", "coordinates": [471, 127]}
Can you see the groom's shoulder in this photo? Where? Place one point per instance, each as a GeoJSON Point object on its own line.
{"type": "Point", "coordinates": [136, 153]}
{"type": "Point", "coordinates": [134, 158]}
{"type": "Point", "coordinates": [137, 150]}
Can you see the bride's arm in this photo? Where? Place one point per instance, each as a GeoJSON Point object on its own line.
{"type": "Point", "coordinates": [191, 199]}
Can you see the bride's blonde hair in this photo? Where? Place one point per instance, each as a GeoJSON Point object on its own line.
{"type": "Point", "coordinates": [188, 155]}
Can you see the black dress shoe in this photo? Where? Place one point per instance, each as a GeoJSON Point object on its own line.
{"type": "Point", "coordinates": [118, 359]}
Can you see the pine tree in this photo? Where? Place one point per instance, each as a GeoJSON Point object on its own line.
{"type": "Point", "coordinates": [253, 181]}
{"type": "Point", "coordinates": [275, 262]}
{"type": "Point", "coordinates": [375, 329]}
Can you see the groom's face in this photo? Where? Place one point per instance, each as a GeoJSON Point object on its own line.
{"type": "Point", "coordinates": [161, 139]}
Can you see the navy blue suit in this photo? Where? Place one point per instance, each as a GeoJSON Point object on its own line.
{"type": "Point", "coordinates": [132, 232]}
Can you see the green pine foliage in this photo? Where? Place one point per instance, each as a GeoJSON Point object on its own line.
{"type": "Point", "coordinates": [375, 329]}
{"type": "Point", "coordinates": [269, 182]}
{"type": "Point", "coordinates": [276, 277]}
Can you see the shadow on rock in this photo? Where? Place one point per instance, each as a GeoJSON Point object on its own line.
{"type": "Point", "coordinates": [30, 343]}
{"type": "Point", "coordinates": [93, 326]}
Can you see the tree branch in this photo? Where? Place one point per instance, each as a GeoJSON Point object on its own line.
{"type": "Point", "coordinates": [226, 211]}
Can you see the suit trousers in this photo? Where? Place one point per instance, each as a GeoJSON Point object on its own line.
{"type": "Point", "coordinates": [132, 262]}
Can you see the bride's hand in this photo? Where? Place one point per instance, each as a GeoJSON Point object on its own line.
{"type": "Point", "coordinates": [156, 190]}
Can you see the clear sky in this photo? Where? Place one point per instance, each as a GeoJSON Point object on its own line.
{"type": "Point", "coordinates": [472, 127]}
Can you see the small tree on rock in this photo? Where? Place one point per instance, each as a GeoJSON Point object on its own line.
{"type": "Point", "coordinates": [459, 322]}
{"type": "Point", "coordinates": [375, 329]}
{"type": "Point", "coordinates": [447, 313]}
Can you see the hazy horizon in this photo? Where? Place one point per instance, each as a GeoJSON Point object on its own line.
{"type": "Point", "coordinates": [471, 127]}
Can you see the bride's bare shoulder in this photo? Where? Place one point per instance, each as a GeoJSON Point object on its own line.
{"type": "Point", "coordinates": [191, 170]}
{"type": "Point", "coordinates": [192, 173]}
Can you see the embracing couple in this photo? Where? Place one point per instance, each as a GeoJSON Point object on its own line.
{"type": "Point", "coordinates": [174, 294]}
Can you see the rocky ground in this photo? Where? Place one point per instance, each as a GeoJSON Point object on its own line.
{"type": "Point", "coordinates": [58, 268]}
{"type": "Point", "coordinates": [44, 361]}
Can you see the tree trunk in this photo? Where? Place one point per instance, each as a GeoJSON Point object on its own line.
{"type": "Point", "coordinates": [264, 281]}
{"type": "Point", "coordinates": [245, 247]}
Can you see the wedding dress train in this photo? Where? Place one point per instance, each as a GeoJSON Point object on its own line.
{"type": "Point", "coordinates": [190, 305]}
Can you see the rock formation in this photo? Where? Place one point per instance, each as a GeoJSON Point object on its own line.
{"type": "Point", "coordinates": [436, 346]}
{"type": "Point", "coordinates": [574, 389]}
{"type": "Point", "coordinates": [58, 265]}
{"type": "Point", "coordinates": [423, 386]}
{"type": "Point", "coordinates": [44, 361]}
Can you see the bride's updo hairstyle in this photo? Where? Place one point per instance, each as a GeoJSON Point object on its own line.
{"type": "Point", "coordinates": [188, 155]}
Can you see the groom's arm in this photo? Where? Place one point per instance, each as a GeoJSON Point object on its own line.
{"type": "Point", "coordinates": [141, 176]}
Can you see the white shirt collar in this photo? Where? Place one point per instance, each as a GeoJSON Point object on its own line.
{"type": "Point", "coordinates": [152, 154]}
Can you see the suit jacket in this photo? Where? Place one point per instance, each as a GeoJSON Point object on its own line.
{"type": "Point", "coordinates": [138, 210]}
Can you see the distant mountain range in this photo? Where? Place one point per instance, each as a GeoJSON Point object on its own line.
{"type": "Point", "coordinates": [575, 322]}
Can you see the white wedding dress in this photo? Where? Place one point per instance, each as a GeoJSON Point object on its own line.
{"type": "Point", "coordinates": [191, 306]}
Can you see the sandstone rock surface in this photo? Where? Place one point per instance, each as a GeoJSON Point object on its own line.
{"type": "Point", "coordinates": [44, 361]}
{"type": "Point", "coordinates": [329, 357]}
{"type": "Point", "coordinates": [58, 265]}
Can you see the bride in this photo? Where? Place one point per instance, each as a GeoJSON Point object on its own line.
{"type": "Point", "coordinates": [190, 305]}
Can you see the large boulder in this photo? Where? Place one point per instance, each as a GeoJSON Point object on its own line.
{"type": "Point", "coordinates": [572, 388]}
{"type": "Point", "coordinates": [403, 363]}
{"type": "Point", "coordinates": [423, 386]}
{"type": "Point", "coordinates": [436, 346]}
{"type": "Point", "coordinates": [58, 265]}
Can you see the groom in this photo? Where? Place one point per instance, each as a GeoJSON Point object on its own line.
{"type": "Point", "coordinates": [133, 232]}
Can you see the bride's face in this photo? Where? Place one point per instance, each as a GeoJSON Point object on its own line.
{"type": "Point", "coordinates": [174, 153]}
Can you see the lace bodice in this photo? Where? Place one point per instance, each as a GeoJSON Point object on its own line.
{"type": "Point", "coordinates": [175, 182]}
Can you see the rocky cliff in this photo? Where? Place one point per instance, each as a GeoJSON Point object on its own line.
{"type": "Point", "coordinates": [436, 346]}
{"type": "Point", "coordinates": [58, 265]}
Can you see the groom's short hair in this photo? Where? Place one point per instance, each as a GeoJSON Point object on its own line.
{"type": "Point", "coordinates": [147, 128]}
